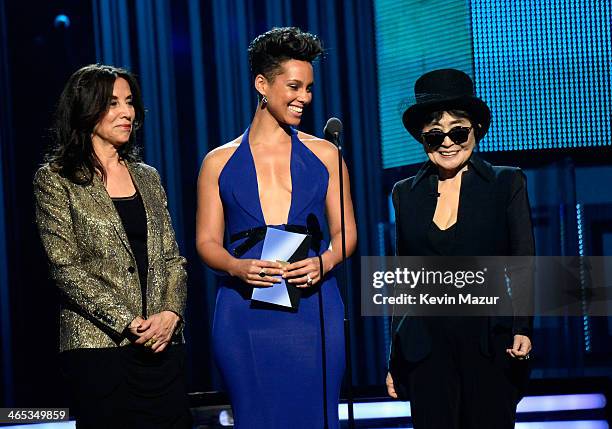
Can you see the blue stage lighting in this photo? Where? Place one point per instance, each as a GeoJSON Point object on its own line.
{"type": "Point", "coordinates": [56, 425]}
{"type": "Point", "coordinates": [586, 323]}
{"type": "Point", "coordinates": [564, 424]}
{"type": "Point", "coordinates": [529, 404]}
{"type": "Point", "coordinates": [61, 21]}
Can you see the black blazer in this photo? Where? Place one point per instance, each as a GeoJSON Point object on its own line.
{"type": "Point", "coordinates": [493, 219]}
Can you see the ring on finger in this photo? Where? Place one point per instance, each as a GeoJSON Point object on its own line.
{"type": "Point", "coordinates": [309, 280]}
{"type": "Point", "coordinates": [262, 272]}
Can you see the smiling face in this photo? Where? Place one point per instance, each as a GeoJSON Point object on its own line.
{"type": "Point", "coordinates": [115, 126]}
{"type": "Point", "coordinates": [450, 157]}
{"type": "Point", "coordinates": [288, 92]}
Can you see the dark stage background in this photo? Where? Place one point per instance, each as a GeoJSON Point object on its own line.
{"type": "Point", "coordinates": [190, 57]}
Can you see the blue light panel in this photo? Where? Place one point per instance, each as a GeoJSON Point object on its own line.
{"type": "Point", "coordinates": [544, 69]}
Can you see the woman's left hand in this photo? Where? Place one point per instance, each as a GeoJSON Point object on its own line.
{"type": "Point", "coordinates": [156, 332]}
{"type": "Point", "coordinates": [304, 273]}
{"type": "Point", "coordinates": [520, 348]}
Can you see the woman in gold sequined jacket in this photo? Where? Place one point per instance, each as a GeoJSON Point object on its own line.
{"type": "Point", "coordinates": [104, 224]}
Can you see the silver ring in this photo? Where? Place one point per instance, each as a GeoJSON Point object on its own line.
{"type": "Point", "coordinates": [262, 272]}
{"type": "Point", "coordinates": [309, 280]}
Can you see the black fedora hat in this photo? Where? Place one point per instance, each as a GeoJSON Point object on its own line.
{"type": "Point", "coordinates": [445, 89]}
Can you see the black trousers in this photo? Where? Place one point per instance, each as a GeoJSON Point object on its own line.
{"type": "Point", "coordinates": [127, 387]}
{"type": "Point", "coordinates": [458, 387]}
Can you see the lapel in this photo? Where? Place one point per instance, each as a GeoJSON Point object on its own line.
{"type": "Point", "coordinates": [426, 170]}
{"type": "Point", "coordinates": [100, 195]}
{"type": "Point", "coordinates": [473, 195]}
{"type": "Point", "coordinates": [424, 188]}
{"type": "Point", "coordinates": [143, 186]}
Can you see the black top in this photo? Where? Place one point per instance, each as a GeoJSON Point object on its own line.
{"type": "Point", "coordinates": [442, 239]}
{"type": "Point", "coordinates": [134, 218]}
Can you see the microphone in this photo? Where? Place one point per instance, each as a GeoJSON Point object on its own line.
{"type": "Point", "coordinates": [332, 130]}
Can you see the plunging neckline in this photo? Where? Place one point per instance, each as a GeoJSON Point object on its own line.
{"type": "Point", "coordinates": [458, 204]}
{"type": "Point", "coordinates": [291, 170]}
{"type": "Point", "coordinates": [445, 229]}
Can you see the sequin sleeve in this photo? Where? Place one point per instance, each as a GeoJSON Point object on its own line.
{"type": "Point", "coordinates": [176, 293]}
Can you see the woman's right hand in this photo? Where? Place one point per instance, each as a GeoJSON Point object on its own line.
{"type": "Point", "coordinates": [390, 386]}
{"type": "Point", "coordinates": [134, 326]}
{"type": "Point", "coordinates": [248, 270]}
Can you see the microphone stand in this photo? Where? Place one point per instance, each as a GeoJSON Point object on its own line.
{"type": "Point", "coordinates": [347, 323]}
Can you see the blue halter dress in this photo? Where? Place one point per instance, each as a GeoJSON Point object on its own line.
{"type": "Point", "coordinates": [271, 359]}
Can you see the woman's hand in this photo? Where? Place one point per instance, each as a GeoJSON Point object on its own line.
{"type": "Point", "coordinates": [304, 273]}
{"type": "Point", "coordinates": [256, 272]}
{"type": "Point", "coordinates": [390, 386]}
{"type": "Point", "coordinates": [134, 325]}
{"type": "Point", "coordinates": [156, 332]}
{"type": "Point", "coordinates": [520, 348]}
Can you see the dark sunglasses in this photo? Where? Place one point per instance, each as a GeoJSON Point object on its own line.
{"type": "Point", "coordinates": [435, 138]}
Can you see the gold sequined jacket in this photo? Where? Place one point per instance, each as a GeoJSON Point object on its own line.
{"type": "Point", "coordinates": [92, 263]}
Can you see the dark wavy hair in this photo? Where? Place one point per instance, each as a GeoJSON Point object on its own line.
{"type": "Point", "coordinates": [83, 103]}
{"type": "Point", "coordinates": [268, 51]}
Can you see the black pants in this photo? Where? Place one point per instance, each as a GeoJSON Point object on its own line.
{"type": "Point", "coordinates": [127, 387]}
{"type": "Point", "coordinates": [458, 387]}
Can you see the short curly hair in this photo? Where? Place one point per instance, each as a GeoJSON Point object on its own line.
{"type": "Point", "coordinates": [268, 51]}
